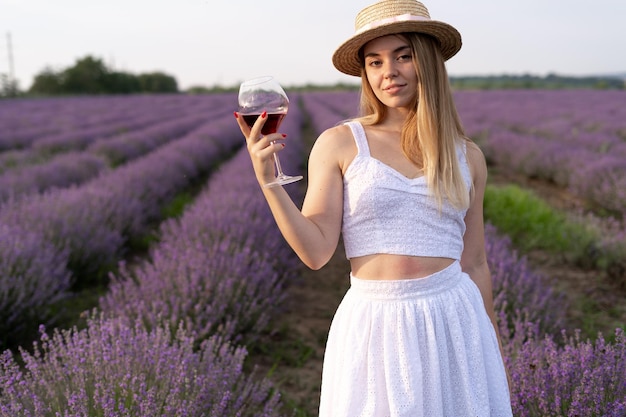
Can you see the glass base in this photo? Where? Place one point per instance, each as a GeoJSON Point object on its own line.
{"type": "Point", "coordinates": [282, 180]}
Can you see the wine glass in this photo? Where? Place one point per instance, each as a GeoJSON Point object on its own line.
{"type": "Point", "coordinates": [265, 94]}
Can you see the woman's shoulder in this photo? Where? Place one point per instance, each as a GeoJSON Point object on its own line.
{"type": "Point", "coordinates": [336, 137]}
{"type": "Point", "coordinates": [473, 151]}
{"type": "Point", "coordinates": [475, 159]}
{"type": "Point", "coordinates": [335, 143]}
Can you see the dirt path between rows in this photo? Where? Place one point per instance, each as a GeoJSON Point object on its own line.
{"type": "Point", "coordinates": [297, 349]}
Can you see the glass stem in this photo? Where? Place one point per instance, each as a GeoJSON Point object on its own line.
{"type": "Point", "coordinates": [279, 169]}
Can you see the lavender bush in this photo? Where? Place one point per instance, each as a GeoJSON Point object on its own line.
{"type": "Point", "coordinates": [75, 220]}
{"type": "Point", "coordinates": [524, 301]}
{"type": "Point", "coordinates": [570, 378]}
{"type": "Point", "coordinates": [32, 276]}
{"type": "Point", "coordinates": [62, 171]}
{"type": "Point", "coordinates": [127, 146]}
{"type": "Point", "coordinates": [325, 110]}
{"type": "Point", "coordinates": [16, 158]}
{"type": "Point", "coordinates": [113, 369]}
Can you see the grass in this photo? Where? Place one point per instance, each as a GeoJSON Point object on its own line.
{"type": "Point", "coordinates": [533, 224]}
{"type": "Point", "coordinates": [282, 351]}
{"type": "Point", "coordinates": [594, 315]}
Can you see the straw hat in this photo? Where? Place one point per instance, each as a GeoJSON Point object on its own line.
{"type": "Point", "coordinates": [389, 17]}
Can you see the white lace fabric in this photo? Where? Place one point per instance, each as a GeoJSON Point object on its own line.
{"type": "Point", "coordinates": [416, 347]}
{"type": "Point", "coordinates": [385, 212]}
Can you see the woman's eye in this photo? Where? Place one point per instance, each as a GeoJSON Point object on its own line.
{"type": "Point", "coordinates": [404, 58]}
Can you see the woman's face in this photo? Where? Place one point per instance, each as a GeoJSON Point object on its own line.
{"type": "Point", "coordinates": [390, 71]}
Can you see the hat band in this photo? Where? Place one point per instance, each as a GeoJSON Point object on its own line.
{"type": "Point", "coordinates": [400, 18]}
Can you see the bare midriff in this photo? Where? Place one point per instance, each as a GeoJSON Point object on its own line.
{"type": "Point", "coordinates": [390, 267]}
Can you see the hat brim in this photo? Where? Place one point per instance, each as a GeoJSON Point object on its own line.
{"type": "Point", "coordinates": [346, 57]}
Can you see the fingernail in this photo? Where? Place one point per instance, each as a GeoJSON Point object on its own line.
{"type": "Point", "coordinates": [236, 115]}
{"type": "Point", "coordinates": [263, 115]}
{"type": "Point", "coordinates": [284, 135]}
{"type": "Point", "coordinates": [283, 144]}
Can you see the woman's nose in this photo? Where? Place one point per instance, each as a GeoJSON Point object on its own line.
{"type": "Point", "coordinates": [390, 71]}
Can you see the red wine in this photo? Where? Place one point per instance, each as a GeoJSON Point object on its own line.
{"type": "Point", "coordinates": [270, 126]}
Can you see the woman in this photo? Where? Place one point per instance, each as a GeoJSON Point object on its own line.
{"type": "Point", "coordinates": [415, 335]}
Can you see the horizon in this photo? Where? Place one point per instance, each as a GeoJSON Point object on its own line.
{"type": "Point", "coordinates": [201, 43]}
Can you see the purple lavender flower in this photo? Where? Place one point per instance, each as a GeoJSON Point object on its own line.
{"type": "Point", "coordinates": [570, 378]}
{"type": "Point", "coordinates": [32, 276]}
{"type": "Point", "coordinates": [114, 369]}
{"type": "Point", "coordinates": [62, 171]}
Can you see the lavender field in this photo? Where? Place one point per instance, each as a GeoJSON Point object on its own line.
{"type": "Point", "coordinates": [82, 180]}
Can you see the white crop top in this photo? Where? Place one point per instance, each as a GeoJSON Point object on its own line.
{"type": "Point", "coordinates": [386, 212]}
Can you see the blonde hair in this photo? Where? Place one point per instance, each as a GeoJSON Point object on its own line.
{"type": "Point", "coordinates": [432, 128]}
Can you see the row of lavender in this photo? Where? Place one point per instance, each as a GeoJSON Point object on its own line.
{"type": "Point", "coordinates": [44, 123]}
{"type": "Point", "coordinates": [576, 139]}
{"type": "Point", "coordinates": [216, 275]}
{"type": "Point", "coordinates": [68, 151]}
{"type": "Point", "coordinates": [551, 377]}
{"type": "Point", "coordinates": [69, 237]}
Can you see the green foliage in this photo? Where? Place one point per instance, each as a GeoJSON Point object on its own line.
{"type": "Point", "coordinates": [48, 82]}
{"type": "Point", "coordinates": [177, 206]}
{"type": "Point", "coordinates": [157, 82]}
{"type": "Point", "coordinates": [90, 75]}
{"type": "Point", "coordinates": [8, 86]}
{"type": "Point", "coordinates": [533, 224]}
{"type": "Point", "coordinates": [122, 83]}
{"type": "Point", "coordinates": [487, 82]}
{"type": "Point", "coordinates": [527, 81]}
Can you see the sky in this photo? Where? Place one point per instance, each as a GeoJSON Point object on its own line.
{"type": "Point", "coordinates": [222, 42]}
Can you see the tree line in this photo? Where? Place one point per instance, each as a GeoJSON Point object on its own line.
{"type": "Point", "coordinates": [89, 75]}
{"type": "Point", "coordinates": [527, 81]}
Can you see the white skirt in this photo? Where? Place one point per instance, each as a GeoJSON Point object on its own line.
{"type": "Point", "coordinates": [413, 347]}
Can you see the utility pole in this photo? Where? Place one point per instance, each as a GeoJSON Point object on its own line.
{"type": "Point", "coordinates": [9, 84]}
{"type": "Point", "coordinates": [10, 51]}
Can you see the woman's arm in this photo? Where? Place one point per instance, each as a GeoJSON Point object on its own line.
{"type": "Point", "coordinates": [474, 257]}
{"type": "Point", "coordinates": [313, 232]}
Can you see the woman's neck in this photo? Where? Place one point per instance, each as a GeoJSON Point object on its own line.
{"type": "Point", "coordinates": [394, 119]}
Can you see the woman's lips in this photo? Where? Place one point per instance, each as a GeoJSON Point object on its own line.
{"type": "Point", "coordinates": [393, 89]}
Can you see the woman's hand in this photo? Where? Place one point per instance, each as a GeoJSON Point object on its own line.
{"type": "Point", "coordinates": [261, 148]}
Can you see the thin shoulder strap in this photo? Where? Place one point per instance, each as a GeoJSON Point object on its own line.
{"type": "Point", "coordinates": [359, 137]}
{"type": "Point", "coordinates": [464, 162]}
